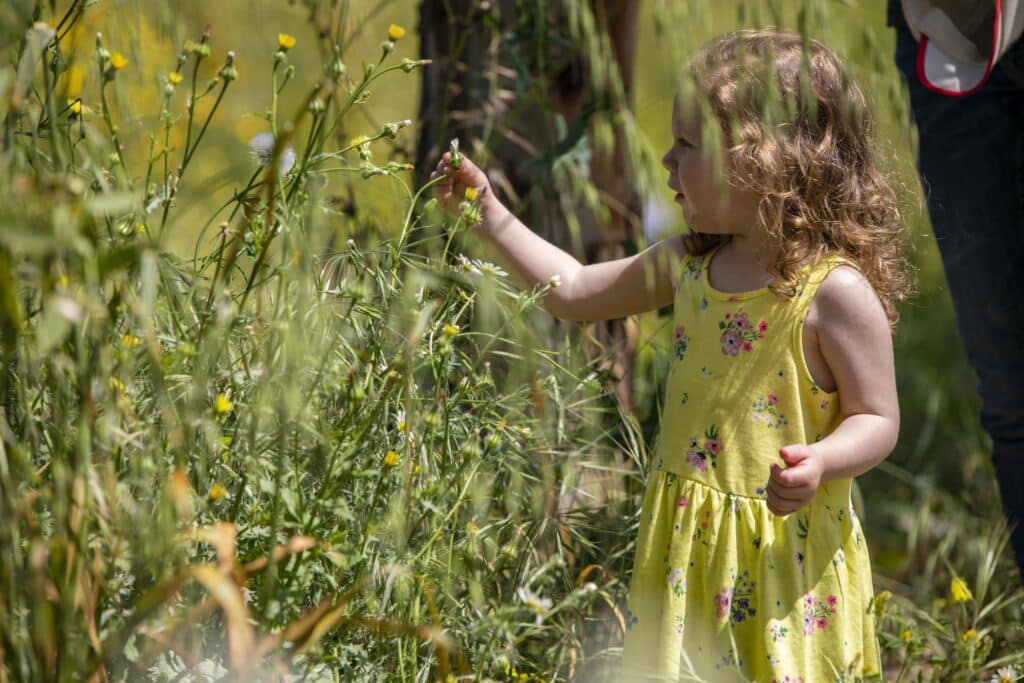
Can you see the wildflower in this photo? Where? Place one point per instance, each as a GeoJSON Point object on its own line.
{"type": "Point", "coordinates": [116, 385]}
{"type": "Point", "coordinates": [487, 268]}
{"type": "Point", "coordinates": [538, 604]}
{"type": "Point", "coordinates": [391, 129]}
{"type": "Point", "coordinates": [129, 341]}
{"type": "Point", "coordinates": [395, 32]}
{"type": "Point", "coordinates": [555, 281]}
{"type": "Point", "coordinates": [222, 405]}
{"type": "Point", "coordinates": [118, 61]}
{"type": "Point", "coordinates": [465, 265]}
{"type": "Point", "coordinates": [285, 41]}
{"type": "Point", "coordinates": [174, 78]}
{"type": "Point", "coordinates": [969, 635]}
{"type": "Point", "coordinates": [400, 421]}
{"type": "Point", "coordinates": [502, 423]}
{"type": "Point", "coordinates": [906, 636]}
{"type": "Point", "coordinates": [391, 458]}
{"type": "Point", "coordinates": [217, 492]}
{"type": "Point", "coordinates": [262, 148]}
{"type": "Point", "coordinates": [958, 590]}
{"type": "Point", "coordinates": [228, 72]}
{"type": "Point", "coordinates": [471, 194]}
{"type": "Point", "coordinates": [1007, 674]}
{"type": "Point", "coordinates": [75, 106]}
{"type": "Point", "coordinates": [450, 330]}
{"type": "Point", "coordinates": [472, 528]}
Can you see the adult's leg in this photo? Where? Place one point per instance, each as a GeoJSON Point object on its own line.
{"type": "Point", "coordinates": [971, 161]}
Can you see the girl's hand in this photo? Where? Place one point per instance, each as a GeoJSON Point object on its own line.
{"type": "Point", "coordinates": [451, 190]}
{"type": "Point", "coordinates": [792, 488]}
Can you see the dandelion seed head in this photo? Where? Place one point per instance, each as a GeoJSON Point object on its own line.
{"type": "Point", "coordinates": [262, 148]}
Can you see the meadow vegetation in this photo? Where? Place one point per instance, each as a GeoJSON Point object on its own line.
{"type": "Point", "coordinates": [281, 452]}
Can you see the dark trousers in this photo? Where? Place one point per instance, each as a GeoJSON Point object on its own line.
{"type": "Point", "coordinates": [971, 161]}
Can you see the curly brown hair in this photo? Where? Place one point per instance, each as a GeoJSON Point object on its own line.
{"type": "Point", "coordinates": [799, 134]}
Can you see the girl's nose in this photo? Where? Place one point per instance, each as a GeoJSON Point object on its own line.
{"type": "Point", "coordinates": [666, 161]}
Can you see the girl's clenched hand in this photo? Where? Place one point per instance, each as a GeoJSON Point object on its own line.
{"type": "Point", "coordinates": [792, 488]}
{"type": "Point", "coordinates": [451, 190]}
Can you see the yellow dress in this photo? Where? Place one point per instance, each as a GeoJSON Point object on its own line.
{"type": "Point", "coordinates": [722, 589]}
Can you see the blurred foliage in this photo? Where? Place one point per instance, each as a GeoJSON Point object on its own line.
{"type": "Point", "coordinates": [261, 418]}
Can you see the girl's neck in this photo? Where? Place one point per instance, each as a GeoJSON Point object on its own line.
{"type": "Point", "coordinates": [739, 265]}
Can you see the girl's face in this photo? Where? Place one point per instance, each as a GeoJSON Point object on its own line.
{"type": "Point", "coordinates": [710, 203]}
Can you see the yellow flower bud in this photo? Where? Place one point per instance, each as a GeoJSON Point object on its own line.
{"type": "Point", "coordinates": [391, 458]}
{"type": "Point", "coordinates": [395, 32]}
{"type": "Point", "coordinates": [285, 41]}
{"type": "Point", "coordinates": [118, 61]}
{"type": "Point", "coordinates": [174, 78]}
{"type": "Point", "coordinates": [217, 492]}
{"type": "Point", "coordinates": [472, 193]}
{"type": "Point", "coordinates": [450, 330]}
{"type": "Point", "coordinates": [222, 405]}
{"type": "Point", "coordinates": [958, 590]}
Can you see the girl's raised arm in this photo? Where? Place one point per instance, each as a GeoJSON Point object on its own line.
{"type": "Point", "coordinates": [601, 291]}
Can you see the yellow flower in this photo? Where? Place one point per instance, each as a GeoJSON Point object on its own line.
{"type": "Point", "coordinates": [222, 405]}
{"type": "Point", "coordinates": [75, 106]}
{"type": "Point", "coordinates": [285, 41]}
{"type": "Point", "coordinates": [358, 140]}
{"type": "Point", "coordinates": [129, 341]}
{"type": "Point", "coordinates": [968, 635]}
{"type": "Point", "coordinates": [906, 636]}
{"type": "Point", "coordinates": [502, 423]}
{"type": "Point", "coordinates": [395, 32]}
{"type": "Point", "coordinates": [416, 468]}
{"type": "Point", "coordinates": [471, 193]}
{"type": "Point", "coordinates": [174, 78]}
{"type": "Point", "coordinates": [958, 590]}
{"type": "Point", "coordinates": [115, 385]}
{"type": "Point", "coordinates": [472, 528]}
{"type": "Point", "coordinates": [391, 458]}
{"type": "Point", "coordinates": [118, 61]}
{"type": "Point", "coordinates": [450, 330]}
{"type": "Point", "coordinates": [217, 492]}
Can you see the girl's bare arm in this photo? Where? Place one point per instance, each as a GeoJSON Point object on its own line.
{"type": "Point", "coordinates": [601, 291]}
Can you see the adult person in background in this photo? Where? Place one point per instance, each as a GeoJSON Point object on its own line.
{"type": "Point", "coordinates": [963, 61]}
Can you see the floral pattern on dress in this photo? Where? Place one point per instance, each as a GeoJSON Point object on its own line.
{"type": "Point", "coordinates": [766, 410]}
{"type": "Point", "coordinates": [699, 454]}
{"type": "Point", "coordinates": [682, 342]}
{"type": "Point", "coordinates": [676, 581]}
{"type": "Point", "coordinates": [736, 601]}
{"type": "Point", "coordinates": [739, 333]}
{"type": "Point", "coordinates": [817, 612]}
{"type": "Point", "coordinates": [692, 268]}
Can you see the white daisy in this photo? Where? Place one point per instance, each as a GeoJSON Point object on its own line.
{"type": "Point", "coordinates": [1007, 674]}
{"type": "Point", "coordinates": [535, 602]}
{"type": "Point", "coordinates": [464, 265]}
{"type": "Point", "coordinates": [488, 268]}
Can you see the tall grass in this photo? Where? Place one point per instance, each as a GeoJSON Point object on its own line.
{"type": "Point", "coordinates": [280, 458]}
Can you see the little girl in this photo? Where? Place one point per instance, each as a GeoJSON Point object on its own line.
{"type": "Point", "coordinates": [750, 561]}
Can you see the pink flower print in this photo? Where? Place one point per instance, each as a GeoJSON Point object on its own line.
{"type": "Point", "coordinates": [730, 344]}
{"type": "Point", "coordinates": [708, 451]}
{"type": "Point", "coordinates": [773, 399]}
{"type": "Point", "coordinates": [683, 502]}
{"type": "Point", "coordinates": [741, 322]}
{"type": "Point", "coordinates": [822, 622]}
{"type": "Point", "coordinates": [697, 460]}
{"type": "Point", "coordinates": [748, 347]}
{"type": "Point", "coordinates": [762, 327]}
{"type": "Point", "coordinates": [728, 316]}
{"type": "Point", "coordinates": [733, 298]}
{"type": "Point", "coordinates": [722, 600]}
{"type": "Point", "coordinates": [832, 600]}
{"type": "Point", "coordinates": [808, 623]}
